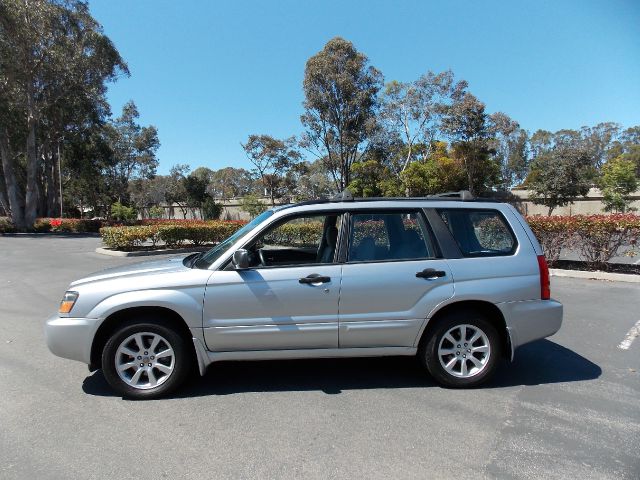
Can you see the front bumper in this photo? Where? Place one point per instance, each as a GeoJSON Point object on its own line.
{"type": "Point", "coordinates": [71, 337]}
{"type": "Point", "coordinates": [531, 320]}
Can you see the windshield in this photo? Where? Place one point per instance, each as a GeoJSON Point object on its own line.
{"type": "Point", "coordinates": [216, 252]}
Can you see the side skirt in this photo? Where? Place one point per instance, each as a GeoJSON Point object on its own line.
{"type": "Point", "coordinates": [206, 358]}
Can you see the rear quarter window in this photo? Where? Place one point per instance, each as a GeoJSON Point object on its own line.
{"type": "Point", "coordinates": [480, 233]}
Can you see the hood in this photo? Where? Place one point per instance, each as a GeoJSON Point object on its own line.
{"type": "Point", "coordinates": [153, 267]}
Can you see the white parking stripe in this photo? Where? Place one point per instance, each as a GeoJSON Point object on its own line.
{"type": "Point", "coordinates": [631, 336]}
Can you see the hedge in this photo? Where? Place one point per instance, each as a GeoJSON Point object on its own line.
{"type": "Point", "coordinates": [81, 225]}
{"type": "Point", "coordinates": [173, 235]}
{"type": "Point", "coordinates": [6, 226]}
{"type": "Point", "coordinates": [598, 238]}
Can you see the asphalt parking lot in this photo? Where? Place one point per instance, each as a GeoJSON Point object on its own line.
{"type": "Point", "coordinates": [568, 407]}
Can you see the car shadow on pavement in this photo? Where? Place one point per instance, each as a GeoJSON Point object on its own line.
{"type": "Point", "coordinates": [541, 362]}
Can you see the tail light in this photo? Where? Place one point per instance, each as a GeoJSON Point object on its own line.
{"type": "Point", "coordinates": [545, 287]}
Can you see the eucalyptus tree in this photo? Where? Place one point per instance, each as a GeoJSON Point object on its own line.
{"type": "Point", "coordinates": [340, 104]}
{"type": "Point", "coordinates": [469, 127]}
{"type": "Point", "coordinates": [134, 147]}
{"type": "Point", "coordinates": [509, 144]}
{"type": "Point", "coordinates": [560, 175]}
{"type": "Point", "coordinates": [413, 111]}
{"type": "Point", "coordinates": [52, 54]}
{"type": "Point", "coordinates": [272, 158]}
{"type": "Point", "coordinates": [230, 182]}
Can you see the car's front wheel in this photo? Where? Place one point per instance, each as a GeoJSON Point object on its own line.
{"type": "Point", "coordinates": [462, 351]}
{"type": "Point", "coordinates": [145, 359]}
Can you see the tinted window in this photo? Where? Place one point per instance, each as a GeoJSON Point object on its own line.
{"type": "Point", "coordinates": [479, 232]}
{"type": "Point", "coordinates": [388, 236]}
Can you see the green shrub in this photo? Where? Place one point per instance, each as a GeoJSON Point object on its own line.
{"type": "Point", "coordinates": [123, 213]}
{"type": "Point", "coordinates": [156, 212]}
{"type": "Point", "coordinates": [598, 238]}
{"type": "Point", "coordinates": [125, 238]}
{"type": "Point", "coordinates": [211, 210]}
{"type": "Point", "coordinates": [42, 225]}
{"type": "Point", "coordinates": [6, 225]}
{"type": "Point", "coordinates": [173, 235]}
{"type": "Point", "coordinates": [197, 233]}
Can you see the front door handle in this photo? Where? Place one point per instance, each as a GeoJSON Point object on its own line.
{"type": "Point", "coordinates": [431, 273]}
{"type": "Point", "coordinates": [315, 278]}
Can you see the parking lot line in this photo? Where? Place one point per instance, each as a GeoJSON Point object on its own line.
{"type": "Point", "coordinates": [630, 337]}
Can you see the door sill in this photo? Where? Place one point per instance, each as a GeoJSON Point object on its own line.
{"type": "Point", "coordinates": [206, 357]}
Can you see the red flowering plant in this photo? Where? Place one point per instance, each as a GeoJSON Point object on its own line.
{"type": "Point", "coordinates": [601, 237]}
{"type": "Point", "coordinates": [554, 233]}
{"type": "Point", "coordinates": [598, 238]}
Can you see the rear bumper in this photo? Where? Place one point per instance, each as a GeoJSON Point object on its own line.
{"type": "Point", "coordinates": [71, 337]}
{"type": "Point", "coordinates": [531, 320]}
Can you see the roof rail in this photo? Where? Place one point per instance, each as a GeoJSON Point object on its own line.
{"type": "Point", "coordinates": [462, 195]}
{"type": "Point", "coordinates": [343, 196]}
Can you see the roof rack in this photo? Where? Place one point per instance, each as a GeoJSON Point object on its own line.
{"type": "Point", "coordinates": [461, 195]}
{"type": "Point", "coordinates": [343, 196]}
{"type": "Point", "coordinates": [347, 196]}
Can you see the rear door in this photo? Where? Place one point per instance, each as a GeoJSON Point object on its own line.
{"type": "Point", "coordinates": [392, 278]}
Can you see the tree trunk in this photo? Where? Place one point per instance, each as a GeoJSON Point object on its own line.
{"type": "Point", "coordinates": [550, 210]}
{"type": "Point", "coordinates": [52, 207]}
{"type": "Point", "coordinates": [4, 201]}
{"type": "Point", "coordinates": [14, 195]}
{"type": "Point", "coordinates": [31, 200]}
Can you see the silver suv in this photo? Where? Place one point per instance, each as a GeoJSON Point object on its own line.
{"type": "Point", "coordinates": [459, 282]}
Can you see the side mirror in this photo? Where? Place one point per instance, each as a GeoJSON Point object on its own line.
{"type": "Point", "coordinates": [240, 259]}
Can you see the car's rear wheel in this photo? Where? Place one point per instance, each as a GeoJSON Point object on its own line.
{"type": "Point", "coordinates": [145, 359]}
{"type": "Point", "coordinates": [462, 351]}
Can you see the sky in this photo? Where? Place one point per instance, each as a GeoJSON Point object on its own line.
{"type": "Point", "coordinates": [208, 74]}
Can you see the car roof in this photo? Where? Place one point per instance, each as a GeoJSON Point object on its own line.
{"type": "Point", "coordinates": [389, 203]}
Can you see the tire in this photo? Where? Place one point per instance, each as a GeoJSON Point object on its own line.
{"type": "Point", "coordinates": [151, 370]}
{"type": "Point", "coordinates": [454, 363]}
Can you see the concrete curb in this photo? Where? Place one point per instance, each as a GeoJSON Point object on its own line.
{"type": "Point", "coordinates": [148, 253]}
{"type": "Point", "coordinates": [610, 277]}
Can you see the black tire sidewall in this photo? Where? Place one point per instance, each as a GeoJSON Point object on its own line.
{"type": "Point", "coordinates": [178, 344]}
{"type": "Point", "coordinates": [429, 349]}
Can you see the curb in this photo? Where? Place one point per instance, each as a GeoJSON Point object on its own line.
{"type": "Point", "coordinates": [51, 234]}
{"type": "Point", "coordinates": [148, 253]}
{"type": "Point", "coordinates": [610, 277]}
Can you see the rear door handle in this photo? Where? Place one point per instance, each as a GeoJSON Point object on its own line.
{"type": "Point", "coordinates": [314, 278]}
{"type": "Point", "coordinates": [431, 273]}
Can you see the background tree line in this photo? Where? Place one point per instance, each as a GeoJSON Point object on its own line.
{"type": "Point", "coordinates": [426, 136]}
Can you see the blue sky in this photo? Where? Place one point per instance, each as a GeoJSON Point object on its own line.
{"type": "Point", "coordinates": [209, 73]}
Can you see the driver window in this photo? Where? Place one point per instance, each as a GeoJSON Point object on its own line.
{"type": "Point", "coordinates": [300, 240]}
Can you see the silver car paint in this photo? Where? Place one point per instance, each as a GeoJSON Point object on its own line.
{"type": "Point", "coordinates": [384, 304]}
{"type": "Point", "coordinates": [378, 318]}
{"type": "Point", "coordinates": [267, 308]}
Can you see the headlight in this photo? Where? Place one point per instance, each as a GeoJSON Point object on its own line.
{"type": "Point", "coordinates": [68, 301]}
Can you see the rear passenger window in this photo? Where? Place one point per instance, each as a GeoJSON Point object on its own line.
{"type": "Point", "coordinates": [479, 233]}
{"type": "Point", "coordinates": [388, 236]}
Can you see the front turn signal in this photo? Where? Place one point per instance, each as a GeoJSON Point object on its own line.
{"type": "Point", "coordinates": [68, 301]}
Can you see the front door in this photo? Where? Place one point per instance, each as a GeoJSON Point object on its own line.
{"type": "Point", "coordinates": [391, 280]}
{"type": "Point", "coordinates": [288, 299]}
